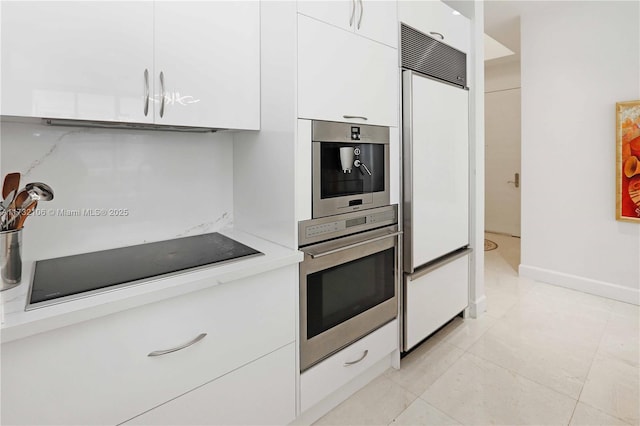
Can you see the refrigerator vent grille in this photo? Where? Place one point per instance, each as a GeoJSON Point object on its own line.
{"type": "Point", "coordinates": [426, 55]}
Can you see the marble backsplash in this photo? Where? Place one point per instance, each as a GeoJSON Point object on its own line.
{"type": "Point", "coordinates": [115, 188]}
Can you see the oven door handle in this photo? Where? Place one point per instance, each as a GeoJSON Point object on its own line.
{"type": "Point", "coordinates": [315, 255]}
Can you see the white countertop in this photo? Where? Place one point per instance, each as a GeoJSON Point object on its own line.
{"type": "Point", "coordinates": [18, 323]}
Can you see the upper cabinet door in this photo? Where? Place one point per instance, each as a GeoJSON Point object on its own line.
{"type": "Point", "coordinates": [77, 60]}
{"type": "Point", "coordinates": [374, 19]}
{"type": "Point", "coordinates": [208, 54]}
{"type": "Point", "coordinates": [436, 19]}
{"type": "Point", "coordinates": [378, 21]}
{"type": "Point", "coordinates": [341, 13]}
{"type": "Point", "coordinates": [345, 77]}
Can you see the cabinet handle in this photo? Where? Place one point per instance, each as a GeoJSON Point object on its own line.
{"type": "Point", "coordinates": [355, 116]}
{"type": "Point", "coordinates": [146, 92]}
{"type": "Point", "coordinates": [353, 12]}
{"type": "Point", "coordinates": [177, 348]}
{"type": "Point", "coordinates": [438, 34]}
{"type": "Point", "coordinates": [361, 13]}
{"type": "Point", "coordinates": [364, 355]}
{"type": "Point", "coordinates": [162, 94]}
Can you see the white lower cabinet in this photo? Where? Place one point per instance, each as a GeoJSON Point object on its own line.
{"type": "Point", "coordinates": [434, 298]}
{"type": "Point", "coordinates": [99, 371]}
{"type": "Point", "coordinates": [260, 393]}
{"type": "Point", "coordinates": [339, 369]}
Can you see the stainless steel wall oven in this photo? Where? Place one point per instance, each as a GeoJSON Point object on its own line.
{"type": "Point", "coordinates": [350, 167]}
{"type": "Point", "coordinates": [348, 279]}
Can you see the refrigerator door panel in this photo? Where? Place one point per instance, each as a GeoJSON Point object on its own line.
{"type": "Point", "coordinates": [434, 296]}
{"type": "Point", "coordinates": [436, 132]}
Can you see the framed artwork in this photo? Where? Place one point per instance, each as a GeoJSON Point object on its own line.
{"type": "Point", "coordinates": [628, 161]}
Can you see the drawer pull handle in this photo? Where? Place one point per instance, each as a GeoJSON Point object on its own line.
{"type": "Point", "coordinates": [355, 116]}
{"type": "Point", "coordinates": [177, 348]}
{"type": "Point", "coordinates": [437, 34]}
{"type": "Point", "coordinates": [364, 355]}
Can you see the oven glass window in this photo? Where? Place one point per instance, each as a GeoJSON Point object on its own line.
{"type": "Point", "coordinates": [334, 182]}
{"type": "Point", "coordinates": [337, 294]}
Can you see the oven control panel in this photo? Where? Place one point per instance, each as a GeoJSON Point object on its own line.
{"type": "Point", "coordinates": [315, 230]}
{"type": "Point", "coordinates": [325, 228]}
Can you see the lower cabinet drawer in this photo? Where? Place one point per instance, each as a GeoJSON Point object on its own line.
{"type": "Point", "coordinates": [99, 371]}
{"type": "Point", "coordinates": [434, 298]}
{"type": "Point", "coordinates": [260, 393]}
{"type": "Point", "coordinates": [337, 370]}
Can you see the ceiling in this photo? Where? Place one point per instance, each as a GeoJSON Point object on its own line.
{"type": "Point", "coordinates": [501, 19]}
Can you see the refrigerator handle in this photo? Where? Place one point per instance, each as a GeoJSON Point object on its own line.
{"type": "Point", "coordinates": [439, 263]}
{"type": "Point", "coordinates": [407, 165]}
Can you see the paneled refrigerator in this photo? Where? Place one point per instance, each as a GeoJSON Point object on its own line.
{"type": "Point", "coordinates": [435, 128]}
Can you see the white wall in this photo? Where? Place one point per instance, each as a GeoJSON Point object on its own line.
{"type": "Point", "coordinates": [501, 74]}
{"type": "Point", "coordinates": [578, 59]}
{"type": "Point", "coordinates": [172, 184]}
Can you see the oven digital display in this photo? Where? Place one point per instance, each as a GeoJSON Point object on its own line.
{"type": "Point", "coordinates": [357, 221]}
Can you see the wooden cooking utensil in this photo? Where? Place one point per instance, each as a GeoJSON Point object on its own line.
{"type": "Point", "coordinates": [11, 183]}
{"type": "Point", "coordinates": [23, 215]}
{"type": "Point", "coordinates": [15, 209]}
{"type": "Point", "coordinates": [19, 200]}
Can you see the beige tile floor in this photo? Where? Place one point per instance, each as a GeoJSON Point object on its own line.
{"type": "Point", "coordinates": [540, 355]}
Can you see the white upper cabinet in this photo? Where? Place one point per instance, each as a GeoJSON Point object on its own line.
{"type": "Point", "coordinates": [340, 13]}
{"type": "Point", "coordinates": [345, 77]}
{"type": "Point", "coordinates": [378, 20]}
{"type": "Point", "coordinates": [438, 20]}
{"type": "Point", "coordinates": [77, 60]}
{"type": "Point", "coordinates": [373, 19]}
{"type": "Point", "coordinates": [102, 61]}
{"type": "Point", "coordinates": [209, 57]}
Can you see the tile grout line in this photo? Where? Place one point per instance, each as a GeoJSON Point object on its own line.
{"type": "Point", "coordinates": [410, 403]}
{"type": "Point", "coordinates": [593, 359]}
{"type": "Point", "coordinates": [518, 302]}
{"type": "Point", "coordinates": [524, 377]}
{"type": "Point", "coordinates": [438, 376]}
{"type": "Point", "coordinates": [604, 412]}
{"type": "Point", "coordinates": [463, 351]}
{"type": "Point", "coordinates": [510, 371]}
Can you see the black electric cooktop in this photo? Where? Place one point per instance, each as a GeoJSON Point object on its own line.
{"type": "Point", "coordinates": [72, 277]}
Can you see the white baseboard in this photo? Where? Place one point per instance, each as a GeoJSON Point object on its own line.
{"type": "Point", "coordinates": [586, 285]}
{"type": "Point", "coordinates": [477, 308]}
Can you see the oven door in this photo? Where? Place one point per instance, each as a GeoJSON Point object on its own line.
{"type": "Point", "coordinates": [348, 288]}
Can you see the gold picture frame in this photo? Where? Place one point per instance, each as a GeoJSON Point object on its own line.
{"type": "Point", "coordinates": [628, 161]}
